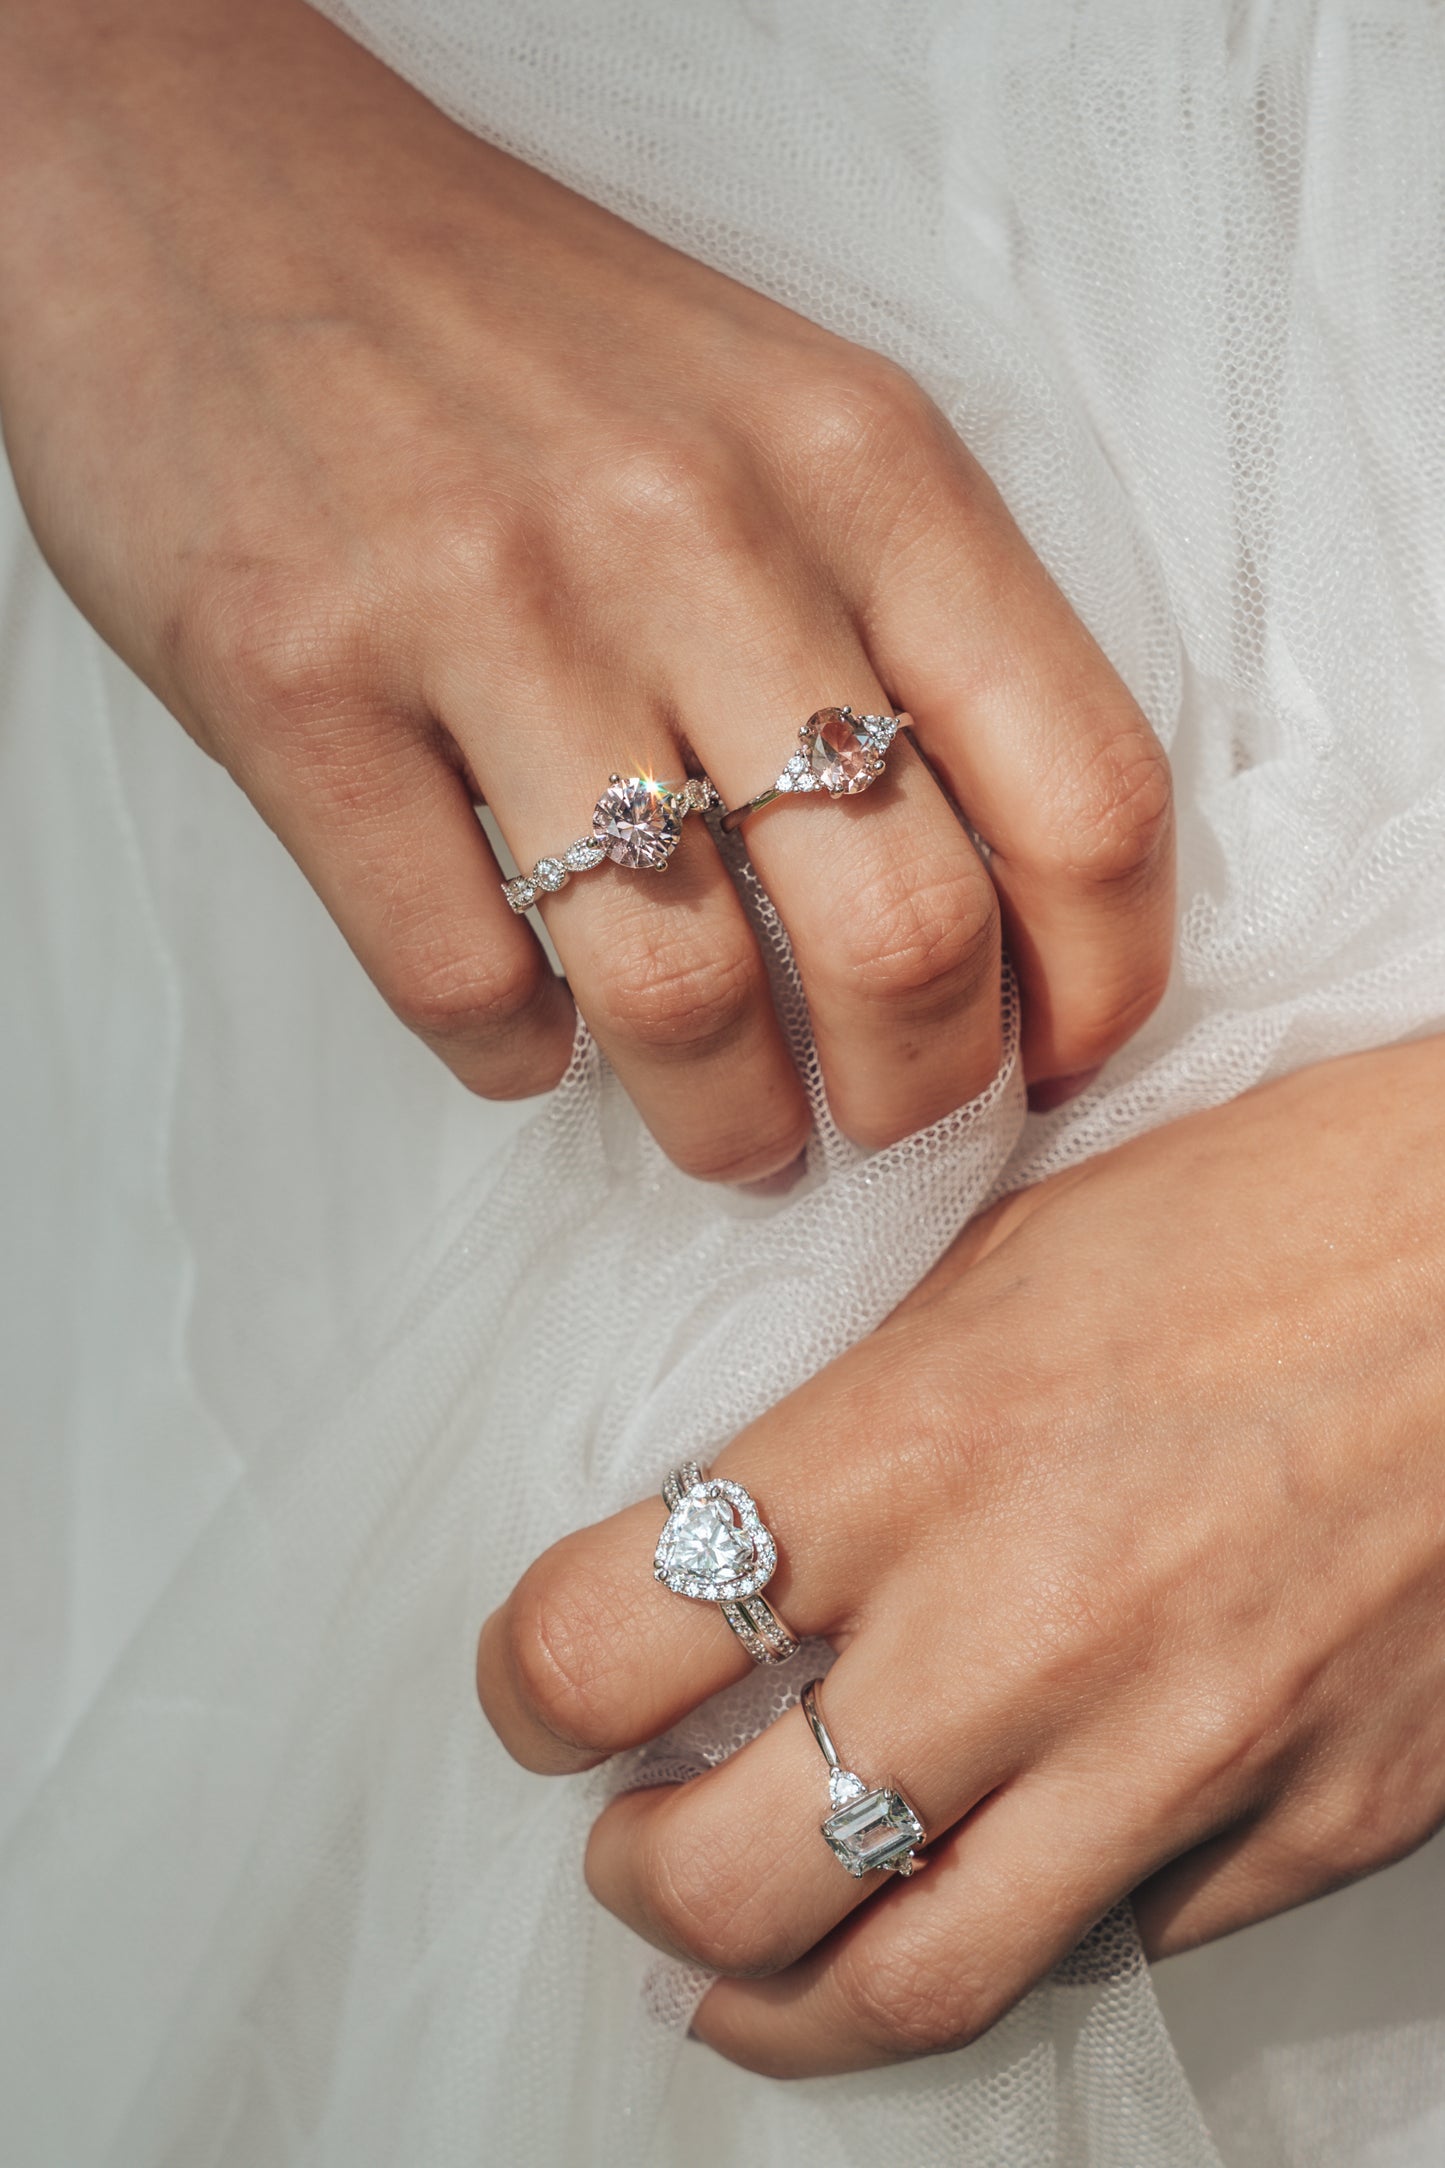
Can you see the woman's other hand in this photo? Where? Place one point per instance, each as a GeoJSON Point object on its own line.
{"type": "Point", "coordinates": [406, 477]}
{"type": "Point", "coordinates": [1130, 1529]}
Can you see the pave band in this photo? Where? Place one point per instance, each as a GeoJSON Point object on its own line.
{"type": "Point", "coordinates": [839, 752]}
{"type": "Point", "coordinates": [637, 822]}
{"type": "Point", "coordinates": [716, 1549]}
{"type": "Point", "coordinates": [871, 1826]}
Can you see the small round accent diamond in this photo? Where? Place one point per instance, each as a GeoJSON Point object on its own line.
{"type": "Point", "coordinates": [551, 874]}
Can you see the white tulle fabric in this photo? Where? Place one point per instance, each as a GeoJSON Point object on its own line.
{"type": "Point", "coordinates": [270, 1895]}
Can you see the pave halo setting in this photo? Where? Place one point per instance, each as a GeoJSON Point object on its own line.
{"type": "Point", "coordinates": [872, 1825]}
{"type": "Point", "coordinates": [838, 752]}
{"type": "Point", "coordinates": [715, 1549]}
{"type": "Point", "coordinates": [637, 822]}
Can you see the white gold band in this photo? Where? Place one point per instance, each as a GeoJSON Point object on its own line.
{"type": "Point", "coordinates": [871, 1826]}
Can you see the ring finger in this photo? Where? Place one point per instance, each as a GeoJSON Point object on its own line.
{"type": "Point", "coordinates": [891, 913]}
{"type": "Point", "coordinates": [730, 1869]}
{"type": "Point", "coordinates": [667, 971]}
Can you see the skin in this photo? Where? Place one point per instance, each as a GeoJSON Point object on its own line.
{"type": "Point", "coordinates": [1129, 1527]}
{"type": "Point", "coordinates": [407, 478]}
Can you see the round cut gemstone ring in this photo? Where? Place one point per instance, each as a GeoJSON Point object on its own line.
{"type": "Point", "coordinates": [715, 1549]}
{"type": "Point", "coordinates": [838, 752]}
{"type": "Point", "coordinates": [637, 822]}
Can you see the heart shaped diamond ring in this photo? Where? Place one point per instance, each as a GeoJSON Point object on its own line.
{"type": "Point", "coordinates": [716, 1549]}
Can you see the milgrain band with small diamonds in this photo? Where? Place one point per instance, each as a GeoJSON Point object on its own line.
{"type": "Point", "coordinates": [636, 822]}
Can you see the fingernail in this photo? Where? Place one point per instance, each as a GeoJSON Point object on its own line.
{"type": "Point", "coordinates": [1052, 1091]}
{"type": "Point", "coordinates": [777, 1185]}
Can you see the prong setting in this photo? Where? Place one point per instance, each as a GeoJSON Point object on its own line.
{"type": "Point", "coordinates": [637, 821]}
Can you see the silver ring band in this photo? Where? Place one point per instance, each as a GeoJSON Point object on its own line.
{"type": "Point", "coordinates": [637, 822]}
{"type": "Point", "coordinates": [871, 1826]}
{"type": "Point", "coordinates": [839, 752]}
{"type": "Point", "coordinates": [716, 1549]}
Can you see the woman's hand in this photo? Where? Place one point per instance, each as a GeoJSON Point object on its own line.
{"type": "Point", "coordinates": [1130, 1529]}
{"type": "Point", "coordinates": [405, 476]}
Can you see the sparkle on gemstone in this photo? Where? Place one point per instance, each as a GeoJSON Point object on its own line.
{"type": "Point", "coordinates": [878, 1830]}
{"type": "Point", "coordinates": [757, 1553]}
{"type": "Point", "coordinates": [839, 755]}
{"type": "Point", "coordinates": [638, 821]}
{"type": "Point", "coordinates": [707, 1542]}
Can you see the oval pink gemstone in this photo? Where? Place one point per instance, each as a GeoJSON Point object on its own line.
{"type": "Point", "coordinates": [639, 821]}
{"type": "Point", "coordinates": [838, 757]}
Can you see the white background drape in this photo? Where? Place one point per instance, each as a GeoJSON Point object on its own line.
{"type": "Point", "coordinates": [297, 1376]}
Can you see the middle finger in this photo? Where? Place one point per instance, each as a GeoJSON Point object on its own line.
{"type": "Point", "coordinates": [730, 1870]}
{"type": "Point", "coordinates": [891, 913]}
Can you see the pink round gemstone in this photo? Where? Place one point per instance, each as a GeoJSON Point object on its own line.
{"type": "Point", "coordinates": [840, 759]}
{"type": "Point", "coordinates": [638, 821]}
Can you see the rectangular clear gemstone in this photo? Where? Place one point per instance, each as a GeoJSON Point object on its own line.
{"type": "Point", "coordinates": [873, 1831]}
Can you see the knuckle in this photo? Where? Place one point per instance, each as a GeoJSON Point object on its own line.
{"type": "Point", "coordinates": [666, 489]}
{"type": "Point", "coordinates": [478, 556]}
{"type": "Point", "coordinates": [701, 1909]}
{"type": "Point", "coordinates": [678, 998]}
{"type": "Point", "coordinates": [1226, 1738]}
{"type": "Point", "coordinates": [1110, 808]}
{"type": "Point", "coordinates": [290, 650]}
{"type": "Point", "coordinates": [853, 413]}
{"type": "Point", "coordinates": [737, 1153]}
{"type": "Point", "coordinates": [1353, 1827]}
{"type": "Point", "coordinates": [933, 940]}
{"type": "Point", "coordinates": [452, 997]}
{"type": "Point", "coordinates": [1116, 1016]}
{"type": "Point", "coordinates": [898, 2007]}
{"type": "Point", "coordinates": [558, 1655]}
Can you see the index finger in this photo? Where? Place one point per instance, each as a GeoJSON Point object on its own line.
{"type": "Point", "coordinates": [590, 1654]}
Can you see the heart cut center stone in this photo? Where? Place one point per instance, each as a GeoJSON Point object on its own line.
{"type": "Point", "coordinates": [707, 1542]}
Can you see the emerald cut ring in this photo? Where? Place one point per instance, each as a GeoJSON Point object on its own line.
{"type": "Point", "coordinates": [871, 1826]}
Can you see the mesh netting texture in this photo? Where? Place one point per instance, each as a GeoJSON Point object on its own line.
{"type": "Point", "coordinates": [1177, 273]}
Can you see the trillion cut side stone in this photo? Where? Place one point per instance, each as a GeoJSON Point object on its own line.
{"type": "Point", "coordinates": [838, 754]}
{"type": "Point", "coordinates": [843, 1786]}
{"type": "Point", "coordinates": [638, 821]}
{"type": "Point", "coordinates": [707, 1542]}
